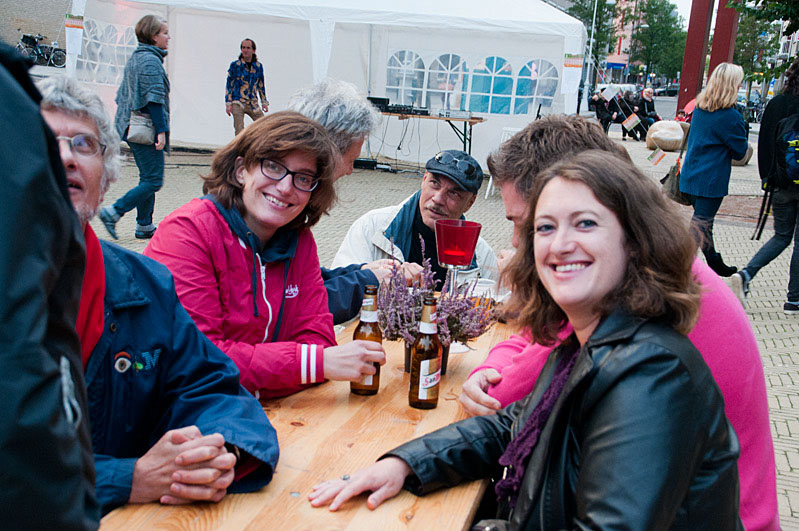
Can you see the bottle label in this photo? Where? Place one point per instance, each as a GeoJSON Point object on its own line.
{"type": "Point", "coordinates": [368, 302]}
{"type": "Point", "coordinates": [368, 317]}
{"type": "Point", "coordinates": [367, 380]}
{"type": "Point", "coordinates": [428, 328]}
{"type": "Point", "coordinates": [429, 376]}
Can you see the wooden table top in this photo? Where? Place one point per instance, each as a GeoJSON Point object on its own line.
{"type": "Point", "coordinates": [326, 432]}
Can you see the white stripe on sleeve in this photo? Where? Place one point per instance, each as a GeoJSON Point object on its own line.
{"type": "Point", "coordinates": [313, 363]}
{"type": "Point", "coordinates": [304, 364]}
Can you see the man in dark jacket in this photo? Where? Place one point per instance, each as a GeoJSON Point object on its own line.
{"type": "Point", "coordinates": [46, 461]}
{"type": "Point", "coordinates": [169, 420]}
{"type": "Point", "coordinates": [349, 118]}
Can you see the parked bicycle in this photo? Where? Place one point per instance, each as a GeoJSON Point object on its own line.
{"type": "Point", "coordinates": [43, 54]}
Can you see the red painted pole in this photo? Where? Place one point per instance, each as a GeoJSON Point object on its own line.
{"type": "Point", "coordinates": [723, 36]}
{"type": "Point", "coordinates": [693, 62]}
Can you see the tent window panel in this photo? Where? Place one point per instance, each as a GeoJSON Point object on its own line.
{"type": "Point", "coordinates": [492, 86]}
{"type": "Point", "coordinates": [537, 84]}
{"type": "Point", "coordinates": [447, 82]}
{"type": "Point", "coordinates": [405, 74]}
{"type": "Point", "coordinates": [104, 51]}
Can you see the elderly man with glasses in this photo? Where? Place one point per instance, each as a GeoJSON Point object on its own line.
{"type": "Point", "coordinates": [449, 188]}
{"type": "Point", "coordinates": [169, 420]}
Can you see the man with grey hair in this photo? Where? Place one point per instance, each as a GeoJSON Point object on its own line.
{"type": "Point", "coordinates": [349, 118]}
{"type": "Point", "coordinates": [169, 420]}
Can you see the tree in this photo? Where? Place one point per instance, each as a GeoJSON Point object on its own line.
{"type": "Point", "coordinates": [604, 30]}
{"type": "Point", "coordinates": [658, 40]}
{"type": "Point", "coordinates": [756, 40]}
{"type": "Point", "coordinates": [770, 10]}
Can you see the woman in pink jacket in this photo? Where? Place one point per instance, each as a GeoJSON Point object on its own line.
{"type": "Point", "coordinates": [245, 261]}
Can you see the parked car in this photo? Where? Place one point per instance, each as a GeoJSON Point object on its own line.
{"type": "Point", "coordinates": [672, 89]}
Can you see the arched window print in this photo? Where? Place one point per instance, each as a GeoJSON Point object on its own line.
{"type": "Point", "coordinates": [492, 86]}
{"type": "Point", "coordinates": [405, 78]}
{"type": "Point", "coordinates": [447, 82]}
{"type": "Point", "coordinates": [537, 84]}
{"type": "Point", "coordinates": [105, 50]}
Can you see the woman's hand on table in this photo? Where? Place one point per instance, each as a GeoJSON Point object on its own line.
{"type": "Point", "coordinates": [353, 360]}
{"type": "Point", "coordinates": [183, 466]}
{"type": "Point", "coordinates": [384, 479]}
{"type": "Point", "coordinates": [474, 398]}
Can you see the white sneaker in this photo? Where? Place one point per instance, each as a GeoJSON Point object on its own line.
{"type": "Point", "coordinates": [740, 286]}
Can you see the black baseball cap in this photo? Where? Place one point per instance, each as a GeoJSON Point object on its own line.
{"type": "Point", "coordinates": [458, 166]}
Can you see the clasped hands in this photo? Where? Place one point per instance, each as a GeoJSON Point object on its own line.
{"type": "Point", "coordinates": [382, 269]}
{"type": "Point", "coordinates": [182, 467]}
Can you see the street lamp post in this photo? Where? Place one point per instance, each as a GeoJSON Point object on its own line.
{"type": "Point", "coordinates": [590, 57]}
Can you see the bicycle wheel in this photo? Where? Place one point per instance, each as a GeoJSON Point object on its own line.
{"type": "Point", "coordinates": [27, 51]}
{"type": "Point", "coordinates": [58, 59]}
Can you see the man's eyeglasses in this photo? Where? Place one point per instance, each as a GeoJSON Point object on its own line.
{"type": "Point", "coordinates": [276, 171]}
{"type": "Point", "coordinates": [84, 144]}
{"type": "Point", "coordinates": [463, 165]}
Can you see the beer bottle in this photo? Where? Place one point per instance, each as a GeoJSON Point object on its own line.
{"type": "Point", "coordinates": [426, 360]}
{"type": "Point", "coordinates": [368, 330]}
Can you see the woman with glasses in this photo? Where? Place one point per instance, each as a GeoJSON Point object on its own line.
{"type": "Point", "coordinates": [245, 261]}
{"type": "Point", "coordinates": [144, 92]}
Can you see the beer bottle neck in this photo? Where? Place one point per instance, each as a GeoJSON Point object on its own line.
{"type": "Point", "coordinates": [428, 323]}
{"type": "Point", "coordinates": [369, 308]}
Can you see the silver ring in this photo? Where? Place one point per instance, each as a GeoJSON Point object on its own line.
{"type": "Point", "coordinates": [345, 477]}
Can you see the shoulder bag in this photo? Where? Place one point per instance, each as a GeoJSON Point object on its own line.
{"type": "Point", "coordinates": [671, 182]}
{"type": "Point", "coordinates": [141, 129]}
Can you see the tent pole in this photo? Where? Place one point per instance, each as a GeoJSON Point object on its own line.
{"type": "Point", "coordinates": [369, 64]}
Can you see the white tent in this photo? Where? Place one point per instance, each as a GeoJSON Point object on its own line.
{"type": "Point", "coordinates": [499, 60]}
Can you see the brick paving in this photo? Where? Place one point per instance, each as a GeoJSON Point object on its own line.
{"type": "Point", "coordinates": [777, 333]}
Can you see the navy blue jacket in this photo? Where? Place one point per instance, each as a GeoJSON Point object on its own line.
{"type": "Point", "coordinates": [154, 371]}
{"type": "Point", "coordinates": [715, 139]}
{"type": "Point", "coordinates": [345, 287]}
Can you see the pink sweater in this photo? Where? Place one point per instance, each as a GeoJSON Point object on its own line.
{"type": "Point", "coordinates": [724, 337]}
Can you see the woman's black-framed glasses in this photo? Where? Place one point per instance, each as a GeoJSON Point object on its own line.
{"type": "Point", "coordinates": [465, 166]}
{"type": "Point", "coordinates": [275, 171]}
{"type": "Point", "coordinates": [84, 144]}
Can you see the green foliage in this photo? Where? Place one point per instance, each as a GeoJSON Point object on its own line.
{"type": "Point", "coordinates": [604, 32]}
{"type": "Point", "coordinates": [755, 35]}
{"type": "Point", "coordinates": [658, 40]}
{"type": "Point", "coordinates": [770, 10]}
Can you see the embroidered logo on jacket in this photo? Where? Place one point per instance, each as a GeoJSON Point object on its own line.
{"type": "Point", "coordinates": [292, 290]}
{"type": "Point", "coordinates": [140, 362]}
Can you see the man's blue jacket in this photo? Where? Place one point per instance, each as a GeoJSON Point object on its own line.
{"type": "Point", "coordinates": [154, 371]}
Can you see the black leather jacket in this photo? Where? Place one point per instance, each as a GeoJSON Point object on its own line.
{"type": "Point", "coordinates": [46, 462]}
{"type": "Point", "coordinates": [638, 439]}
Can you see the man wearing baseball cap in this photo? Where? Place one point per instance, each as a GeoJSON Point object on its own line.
{"type": "Point", "coordinates": [449, 188]}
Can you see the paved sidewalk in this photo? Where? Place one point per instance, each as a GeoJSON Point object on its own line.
{"type": "Point", "coordinates": [777, 333]}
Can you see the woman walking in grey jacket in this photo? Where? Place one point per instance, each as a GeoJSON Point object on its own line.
{"type": "Point", "coordinates": [144, 90]}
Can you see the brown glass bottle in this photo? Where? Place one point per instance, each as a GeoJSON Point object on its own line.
{"type": "Point", "coordinates": [426, 360]}
{"type": "Point", "coordinates": [368, 330]}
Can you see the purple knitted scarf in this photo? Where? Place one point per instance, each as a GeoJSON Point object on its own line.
{"type": "Point", "coordinates": [521, 446]}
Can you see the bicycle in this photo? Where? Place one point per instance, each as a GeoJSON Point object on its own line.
{"type": "Point", "coordinates": [43, 54]}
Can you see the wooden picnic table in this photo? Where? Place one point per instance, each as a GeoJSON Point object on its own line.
{"type": "Point", "coordinates": [326, 432]}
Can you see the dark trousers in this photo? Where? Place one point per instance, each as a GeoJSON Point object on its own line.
{"type": "Point", "coordinates": [785, 207]}
{"type": "Point", "coordinates": [705, 209]}
{"type": "Point", "coordinates": [150, 162]}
